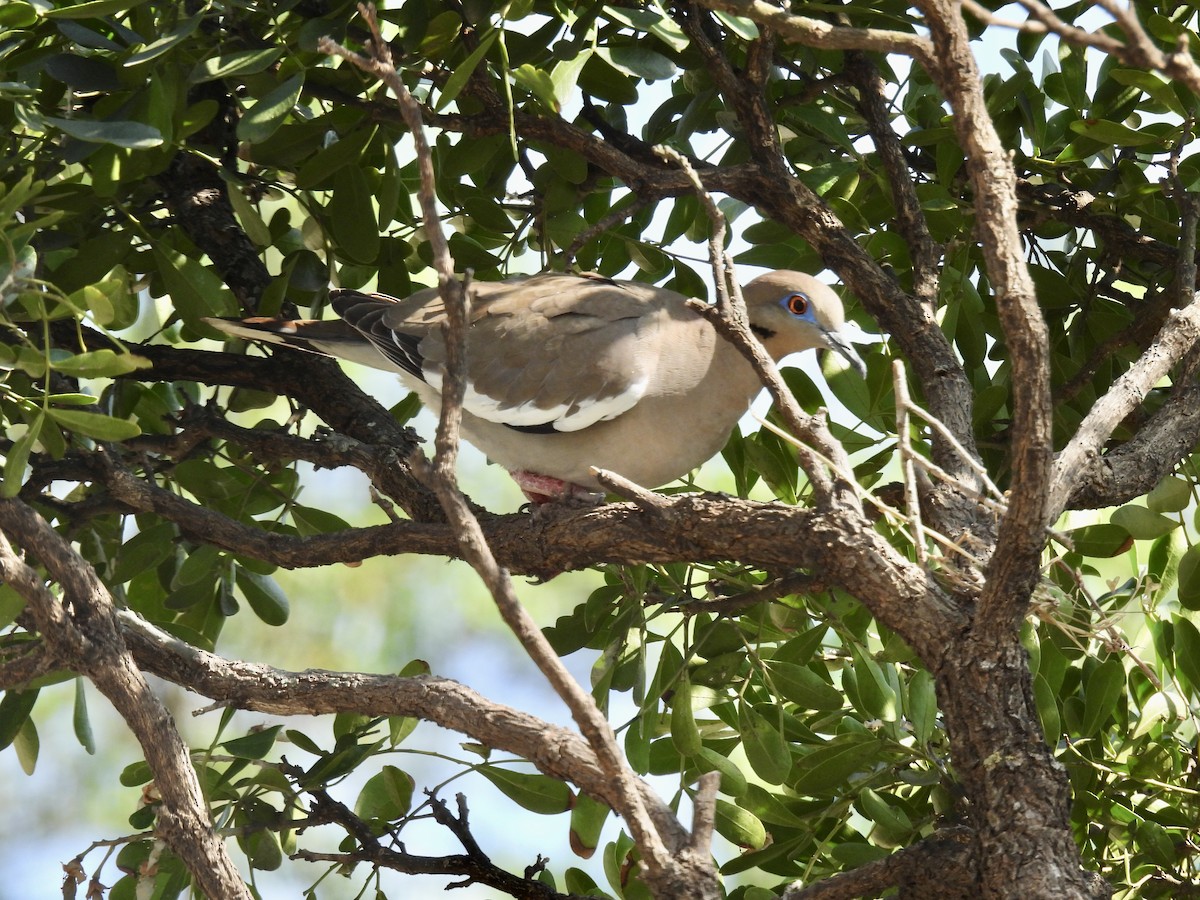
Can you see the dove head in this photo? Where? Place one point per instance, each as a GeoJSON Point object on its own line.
{"type": "Point", "coordinates": [793, 311]}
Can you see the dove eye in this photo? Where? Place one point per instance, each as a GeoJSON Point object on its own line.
{"type": "Point", "coordinates": [796, 304]}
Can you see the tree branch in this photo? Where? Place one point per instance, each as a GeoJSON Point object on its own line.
{"type": "Point", "coordinates": [83, 627]}
{"type": "Point", "coordinates": [1013, 569]}
{"type": "Point", "coordinates": [555, 751]}
{"type": "Point", "coordinates": [939, 866]}
{"type": "Point", "coordinates": [815, 33]}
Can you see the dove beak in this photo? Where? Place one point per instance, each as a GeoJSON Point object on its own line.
{"type": "Point", "coordinates": [838, 344]}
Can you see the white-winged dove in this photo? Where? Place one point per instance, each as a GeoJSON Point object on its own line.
{"type": "Point", "coordinates": [569, 372]}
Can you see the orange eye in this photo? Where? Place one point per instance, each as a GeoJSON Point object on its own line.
{"type": "Point", "coordinates": [797, 304]}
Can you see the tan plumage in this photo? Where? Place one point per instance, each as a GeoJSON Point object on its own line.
{"type": "Point", "coordinates": [569, 372]}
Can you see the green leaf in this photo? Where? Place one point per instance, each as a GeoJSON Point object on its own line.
{"type": "Point", "coordinates": [83, 73]}
{"type": "Point", "coordinates": [241, 62]}
{"type": "Point", "coordinates": [803, 686]}
{"type": "Point", "coordinates": [110, 302]}
{"type": "Point", "coordinates": [740, 826]}
{"type": "Point", "coordinates": [352, 216]}
{"type": "Point", "coordinates": [461, 75]}
{"type": "Point", "coordinates": [119, 133]}
{"type": "Point", "coordinates": [264, 118]}
{"type": "Point", "coordinates": [587, 821]}
{"type": "Point", "coordinates": [95, 425]}
{"type": "Point", "coordinates": [890, 818]}
{"type": "Point", "coordinates": [17, 460]}
{"type": "Point", "coordinates": [387, 796]}
{"type": "Point", "coordinates": [262, 849]}
{"type": "Point", "coordinates": [202, 564]}
{"type": "Point", "coordinates": [264, 595]}
{"type": "Point", "coordinates": [12, 605]}
{"type": "Point", "coordinates": [875, 693]}
{"type": "Point", "coordinates": [91, 10]}
{"type": "Point", "coordinates": [765, 746]}
{"type": "Point", "coordinates": [1101, 541]}
{"type": "Point", "coordinates": [733, 780]}
{"type": "Point", "coordinates": [100, 364]}
{"type": "Point", "coordinates": [14, 711]}
{"type": "Point", "coordinates": [538, 83]}
{"type": "Point", "coordinates": [136, 773]}
{"type": "Point", "coordinates": [1104, 687]}
{"type": "Point", "coordinates": [310, 521]}
{"type": "Point", "coordinates": [334, 157]}
{"type": "Point", "coordinates": [167, 42]}
{"type": "Point", "coordinates": [304, 742]}
{"type": "Point", "coordinates": [1153, 84]}
{"type": "Point", "coordinates": [684, 733]}
{"type": "Point", "coordinates": [640, 62]}
{"type": "Point", "coordinates": [1143, 524]}
{"type": "Point", "coordinates": [739, 25]}
{"type": "Point", "coordinates": [1187, 651]}
{"type": "Point", "coordinates": [1048, 712]}
{"type": "Point", "coordinates": [1113, 133]}
{"type": "Point", "coordinates": [27, 746]}
{"type": "Point", "coordinates": [17, 14]}
{"type": "Point", "coordinates": [826, 769]}
{"type": "Point", "coordinates": [565, 76]}
{"type": "Point", "coordinates": [195, 291]}
{"type": "Point", "coordinates": [252, 223]}
{"type": "Point", "coordinates": [144, 551]}
{"type": "Point", "coordinates": [255, 745]}
{"type": "Point", "coordinates": [1172, 494]}
{"type": "Point", "coordinates": [922, 705]}
{"type": "Point", "coordinates": [534, 792]}
{"type": "Point", "coordinates": [80, 721]}
{"type": "Point", "coordinates": [1189, 578]}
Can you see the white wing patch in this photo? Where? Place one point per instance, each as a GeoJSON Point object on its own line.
{"type": "Point", "coordinates": [574, 417]}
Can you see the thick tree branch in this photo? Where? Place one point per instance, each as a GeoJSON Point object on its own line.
{"type": "Point", "coordinates": [84, 628]}
{"type": "Point", "coordinates": [815, 33]}
{"type": "Point", "coordinates": [699, 527]}
{"type": "Point", "coordinates": [1134, 468]}
{"type": "Point", "coordinates": [313, 382]}
{"type": "Point", "coordinates": [1176, 339]}
{"type": "Point", "coordinates": [557, 752]}
{"type": "Point", "coordinates": [939, 866]}
{"type": "Point", "coordinates": [1079, 457]}
{"type": "Point", "coordinates": [1013, 569]}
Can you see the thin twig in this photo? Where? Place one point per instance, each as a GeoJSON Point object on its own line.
{"type": "Point", "coordinates": [631, 490]}
{"type": "Point", "coordinates": [658, 858]}
{"type": "Point", "coordinates": [730, 318]}
{"type": "Point", "coordinates": [893, 514]}
{"type": "Point", "coordinates": [958, 448]}
{"type": "Point", "coordinates": [912, 503]}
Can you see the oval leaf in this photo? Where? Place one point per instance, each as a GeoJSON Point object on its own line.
{"type": "Point", "coordinates": [803, 686]}
{"type": "Point", "coordinates": [119, 133]}
{"type": "Point", "coordinates": [765, 746]}
{"type": "Point", "coordinates": [386, 796]}
{"type": "Point", "coordinates": [536, 793]}
{"type": "Point", "coordinates": [1189, 578]}
{"type": "Point", "coordinates": [1143, 524]}
{"type": "Point", "coordinates": [739, 826]}
{"type": "Point", "coordinates": [1104, 686]}
{"type": "Point", "coordinates": [95, 425]}
{"type": "Point", "coordinates": [264, 595]}
{"type": "Point", "coordinates": [1171, 495]}
{"type": "Point", "coordinates": [264, 118]}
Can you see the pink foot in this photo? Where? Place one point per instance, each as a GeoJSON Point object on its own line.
{"type": "Point", "coordinates": [539, 489]}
